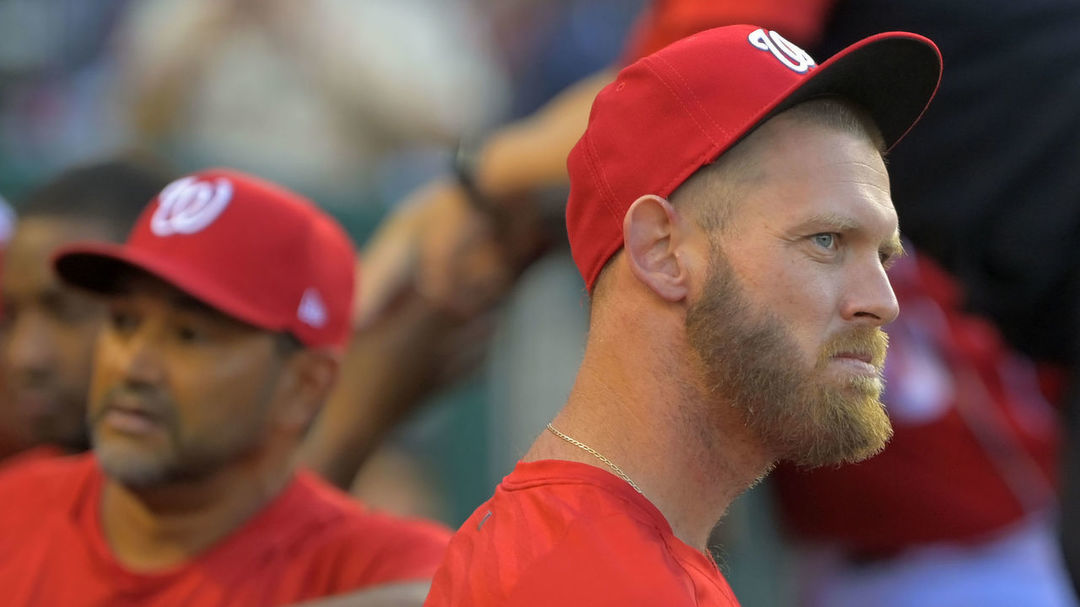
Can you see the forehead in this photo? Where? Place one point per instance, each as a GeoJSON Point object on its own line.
{"type": "Point", "coordinates": [803, 170]}
{"type": "Point", "coordinates": [27, 258]}
{"type": "Point", "coordinates": [137, 286]}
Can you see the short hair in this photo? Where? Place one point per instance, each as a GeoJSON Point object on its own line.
{"type": "Point", "coordinates": [286, 344]}
{"type": "Point", "coordinates": [112, 193]}
{"type": "Point", "coordinates": [711, 191]}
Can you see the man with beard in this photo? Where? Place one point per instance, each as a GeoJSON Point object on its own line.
{"type": "Point", "coordinates": [228, 309]}
{"type": "Point", "coordinates": [730, 213]}
{"type": "Point", "coordinates": [49, 328]}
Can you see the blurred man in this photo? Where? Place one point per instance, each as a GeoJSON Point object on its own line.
{"type": "Point", "coordinates": [49, 328]}
{"type": "Point", "coordinates": [730, 214]}
{"type": "Point", "coordinates": [228, 309]}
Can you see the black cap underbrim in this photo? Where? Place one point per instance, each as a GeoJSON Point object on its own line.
{"type": "Point", "coordinates": [893, 76]}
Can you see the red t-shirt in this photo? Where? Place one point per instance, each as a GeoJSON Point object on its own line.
{"type": "Point", "coordinates": [310, 541]}
{"type": "Point", "coordinates": [564, 533]}
{"type": "Point", "coordinates": [29, 455]}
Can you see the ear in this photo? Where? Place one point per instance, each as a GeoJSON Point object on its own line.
{"type": "Point", "coordinates": [651, 238]}
{"type": "Point", "coordinates": [307, 380]}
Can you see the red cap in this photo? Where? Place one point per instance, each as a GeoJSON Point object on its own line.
{"type": "Point", "coordinates": [672, 112]}
{"type": "Point", "coordinates": [249, 248]}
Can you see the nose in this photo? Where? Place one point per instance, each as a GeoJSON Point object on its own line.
{"type": "Point", "coordinates": [135, 358]}
{"type": "Point", "coordinates": [870, 299]}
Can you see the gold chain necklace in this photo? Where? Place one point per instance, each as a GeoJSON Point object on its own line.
{"type": "Point", "coordinates": [610, 464]}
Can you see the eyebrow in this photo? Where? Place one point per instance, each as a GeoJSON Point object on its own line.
{"type": "Point", "coordinates": [834, 221]}
{"type": "Point", "coordinates": [892, 248]}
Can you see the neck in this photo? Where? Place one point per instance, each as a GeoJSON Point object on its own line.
{"type": "Point", "coordinates": [162, 527]}
{"type": "Point", "coordinates": [690, 454]}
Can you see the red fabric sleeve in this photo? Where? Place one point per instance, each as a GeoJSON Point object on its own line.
{"type": "Point", "coordinates": [800, 21]}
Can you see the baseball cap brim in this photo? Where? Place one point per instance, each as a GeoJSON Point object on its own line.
{"type": "Point", "coordinates": [98, 267]}
{"type": "Point", "coordinates": [892, 75]}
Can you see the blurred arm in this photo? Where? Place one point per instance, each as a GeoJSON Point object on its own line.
{"type": "Point", "coordinates": [458, 256]}
{"type": "Point", "coordinates": [166, 47]}
{"type": "Point", "coordinates": [390, 367]}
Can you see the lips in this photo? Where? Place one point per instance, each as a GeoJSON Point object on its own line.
{"type": "Point", "coordinates": [130, 414]}
{"type": "Point", "coordinates": [865, 357]}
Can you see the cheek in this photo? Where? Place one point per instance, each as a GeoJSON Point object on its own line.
{"type": "Point", "coordinates": [804, 300]}
{"type": "Point", "coordinates": [209, 395]}
{"type": "Point", "coordinates": [103, 373]}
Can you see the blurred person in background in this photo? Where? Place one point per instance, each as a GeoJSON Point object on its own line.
{"type": "Point", "coordinates": [317, 95]}
{"type": "Point", "coordinates": [967, 489]}
{"type": "Point", "coordinates": [228, 309]}
{"type": "Point", "coordinates": [58, 81]}
{"type": "Point", "coordinates": [49, 328]}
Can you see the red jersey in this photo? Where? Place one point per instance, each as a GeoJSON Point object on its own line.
{"type": "Point", "coordinates": [30, 455]}
{"type": "Point", "coordinates": [565, 533]}
{"type": "Point", "coordinates": [310, 541]}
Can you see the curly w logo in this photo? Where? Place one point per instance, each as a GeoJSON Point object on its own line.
{"type": "Point", "coordinates": [188, 205]}
{"type": "Point", "coordinates": [787, 53]}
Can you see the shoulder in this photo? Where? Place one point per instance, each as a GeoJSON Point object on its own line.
{"type": "Point", "coordinates": [548, 558]}
{"type": "Point", "coordinates": [33, 486]}
{"type": "Point", "coordinates": [44, 471]}
{"type": "Point", "coordinates": [612, 556]}
{"type": "Point", "coordinates": [360, 543]}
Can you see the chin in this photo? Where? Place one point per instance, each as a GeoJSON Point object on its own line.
{"type": "Point", "coordinates": [133, 468]}
{"type": "Point", "coordinates": [861, 433]}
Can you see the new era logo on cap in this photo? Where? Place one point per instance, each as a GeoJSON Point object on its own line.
{"type": "Point", "coordinates": [190, 204]}
{"type": "Point", "coordinates": [312, 311]}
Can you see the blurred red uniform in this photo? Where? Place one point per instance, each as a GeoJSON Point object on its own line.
{"type": "Point", "coordinates": [310, 541]}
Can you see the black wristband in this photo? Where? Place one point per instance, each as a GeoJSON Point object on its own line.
{"type": "Point", "coordinates": [465, 158]}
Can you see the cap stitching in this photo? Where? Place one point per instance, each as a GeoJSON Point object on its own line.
{"type": "Point", "coordinates": [680, 177]}
{"type": "Point", "coordinates": [607, 195]}
{"type": "Point", "coordinates": [690, 92]}
{"type": "Point", "coordinates": [607, 200]}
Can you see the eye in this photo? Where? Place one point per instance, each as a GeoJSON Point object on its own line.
{"type": "Point", "coordinates": [825, 240]}
{"type": "Point", "coordinates": [190, 334]}
{"type": "Point", "coordinates": [122, 320]}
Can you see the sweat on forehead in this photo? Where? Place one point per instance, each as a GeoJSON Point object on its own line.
{"type": "Point", "coordinates": [672, 112]}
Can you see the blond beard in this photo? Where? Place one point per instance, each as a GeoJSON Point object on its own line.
{"type": "Point", "coordinates": [750, 359]}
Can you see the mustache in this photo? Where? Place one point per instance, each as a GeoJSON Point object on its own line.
{"type": "Point", "coordinates": [147, 401]}
{"type": "Point", "coordinates": [870, 342]}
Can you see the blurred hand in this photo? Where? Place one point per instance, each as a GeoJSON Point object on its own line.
{"type": "Point", "coordinates": [402, 357]}
{"type": "Point", "coordinates": [459, 259]}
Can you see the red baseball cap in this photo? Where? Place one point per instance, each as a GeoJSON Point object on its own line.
{"type": "Point", "coordinates": [246, 247]}
{"type": "Point", "coordinates": [676, 110]}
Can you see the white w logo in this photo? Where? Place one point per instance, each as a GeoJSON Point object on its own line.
{"type": "Point", "coordinates": [188, 205]}
{"type": "Point", "coordinates": [790, 55]}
